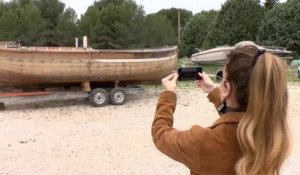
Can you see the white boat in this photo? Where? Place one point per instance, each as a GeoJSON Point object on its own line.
{"type": "Point", "coordinates": [212, 56]}
{"type": "Point", "coordinates": [218, 55]}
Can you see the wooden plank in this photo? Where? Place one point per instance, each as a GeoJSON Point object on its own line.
{"type": "Point", "coordinates": [86, 86]}
{"type": "Point", "coordinates": [22, 94]}
{"type": "Point", "coordinates": [41, 98]}
{"type": "Point", "coordinates": [134, 90]}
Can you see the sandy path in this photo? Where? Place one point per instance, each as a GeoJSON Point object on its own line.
{"type": "Point", "coordinates": [75, 138]}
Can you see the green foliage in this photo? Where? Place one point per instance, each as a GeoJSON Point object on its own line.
{"type": "Point", "coordinates": [66, 28]}
{"type": "Point", "coordinates": [129, 28]}
{"type": "Point", "coordinates": [8, 21]}
{"type": "Point", "coordinates": [157, 31]}
{"type": "Point", "coordinates": [50, 11]}
{"type": "Point", "coordinates": [281, 26]}
{"type": "Point", "coordinates": [108, 29]}
{"type": "Point", "coordinates": [30, 23]}
{"type": "Point", "coordinates": [172, 15]}
{"type": "Point", "coordinates": [60, 25]}
{"type": "Point", "coordinates": [195, 32]}
{"type": "Point", "coordinates": [22, 20]}
{"type": "Point", "coordinates": [123, 24]}
{"type": "Point", "coordinates": [2, 7]}
{"type": "Point", "coordinates": [37, 22]}
{"type": "Point", "coordinates": [238, 20]}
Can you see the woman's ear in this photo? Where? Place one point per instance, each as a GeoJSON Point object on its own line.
{"type": "Point", "coordinates": [227, 89]}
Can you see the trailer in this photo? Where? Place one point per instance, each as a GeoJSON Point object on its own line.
{"type": "Point", "coordinates": [98, 96]}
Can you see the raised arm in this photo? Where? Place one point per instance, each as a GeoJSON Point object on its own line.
{"type": "Point", "coordinates": [179, 145]}
{"type": "Point", "coordinates": [208, 86]}
{"type": "Point", "coordinates": [187, 147]}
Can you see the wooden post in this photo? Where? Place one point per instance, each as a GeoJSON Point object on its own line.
{"type": "Point", "coordinates": [85, 42]}
{"type": "Point", "coordinates": [86, 87]}
{"type": "Point", "coordinates": [76, 42]}
{"type": "Point", "coordinates": [117, 83]}
{"type": "Point", "coordinates": [178, 44]}
{"type": "Point", "coordinates": [178, 28]}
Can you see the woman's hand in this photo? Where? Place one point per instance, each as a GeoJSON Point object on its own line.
{"type": "Point", "coordinates": [169, 82]}
{"type": "Point", "coordinates": [206, 84]}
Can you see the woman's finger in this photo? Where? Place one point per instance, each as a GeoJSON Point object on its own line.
{"type": "Point", "coordinates": [169, 77]}
{"type": "Point", "coordinates": [175, 77]}
{"type": "Point", "coordinates": [200, 74]}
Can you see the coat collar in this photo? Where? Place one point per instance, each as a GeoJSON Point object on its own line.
{"type": "Point", "coordinates": [230, 117]}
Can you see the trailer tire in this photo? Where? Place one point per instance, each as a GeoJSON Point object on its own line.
{"type": "Point", "coordinates": [118, 96]}
{"type": "Point", "coordinates": [219, 76]}
{"type": "Point", "coordinates": [98, 97]}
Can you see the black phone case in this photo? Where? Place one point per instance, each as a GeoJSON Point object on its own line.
{"type": "Point", "coordinates": [189, 73]}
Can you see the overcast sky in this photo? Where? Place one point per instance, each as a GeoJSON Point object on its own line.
{"type": "Point", "coordinates": [152, 6]}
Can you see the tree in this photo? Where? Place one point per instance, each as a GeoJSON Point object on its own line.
{"type": "Point", "coordinates": [2, 7]}
{"type": "Point", "coordinates": [50, 12]}
{"type": "Point", "coordinates": [8, 22]}
{"type": "Point", "coordinates": [237, 20]}
{"type": "Point", "coordinates": [157, 31]}
{"type": "Point", "coordinates": [172, 15]}
{"type": "Point", "coordinates": [30, 23]}
{"type": "Point", "coordinates": [281, 25]}
{"type": "Point", "coordinates": [129, 28]}
{"type": "Point", "coordinates": [108, 29]}
{"type": "Point", "coordinates": [21, 21]}
{"type": "Point", "coordinates": [66, 28]}
{"type": "Point", "coordinates": [37, 22]}
{"type": "Point", "coordinates": [195, 32]}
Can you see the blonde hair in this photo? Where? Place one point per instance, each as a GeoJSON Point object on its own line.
{"type": "Point", "coordinates": [260, 87]}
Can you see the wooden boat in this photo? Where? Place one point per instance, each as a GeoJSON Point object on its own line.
{"type": "Point", "coordinates": [27, 66]}
{"type": "Point", "coordinates": [218, 55]}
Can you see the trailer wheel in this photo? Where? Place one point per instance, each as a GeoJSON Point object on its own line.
{"type": "Point", "coordinates": [219, 76]}
{"type": "Point", "coordinates": [118, 96]}
{"type": "Point", "coordinates": [98, 97]}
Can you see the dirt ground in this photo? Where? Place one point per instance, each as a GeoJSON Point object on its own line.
{"type": "Point", "coordinates": [74, 138]}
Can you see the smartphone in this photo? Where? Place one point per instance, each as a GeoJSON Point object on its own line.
{"type": "Point", "coordinates": [189, 73]}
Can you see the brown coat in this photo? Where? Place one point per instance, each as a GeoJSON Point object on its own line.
{"type": "Point", "coordinates": [205, 151]}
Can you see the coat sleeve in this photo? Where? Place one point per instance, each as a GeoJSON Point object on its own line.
{"type": "Point", "coordinates": [215, 98]}
{"type": "Point", "coordinates": [182, 146]}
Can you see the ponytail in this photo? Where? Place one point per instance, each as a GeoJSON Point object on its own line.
{"type": "Point", "coordinates": [263, 131]}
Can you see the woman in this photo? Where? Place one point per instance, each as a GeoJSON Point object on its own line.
{"type": "Point", "coordinates": [251, 136]}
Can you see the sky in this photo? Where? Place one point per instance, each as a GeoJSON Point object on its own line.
{"type": "Point", "coordinates": [153, 6]}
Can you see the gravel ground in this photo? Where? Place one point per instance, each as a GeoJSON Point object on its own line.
{"type": "Point", "coordinates": [74, 138]}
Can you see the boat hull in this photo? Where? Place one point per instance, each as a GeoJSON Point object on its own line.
{"type": "Point", "coordinates": [212, 56]}
{"type": "Point", "coordinates": [218, 55]}
{"type": "Point", "coordinates": [32, 68]}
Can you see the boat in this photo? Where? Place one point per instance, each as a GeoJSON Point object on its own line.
{"type": "Point", "coordinates": [212, 56]}
{"type": "Point", "coordinates": [28, 66]}
{"type": "Point", "coordinates": [218, 55]}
